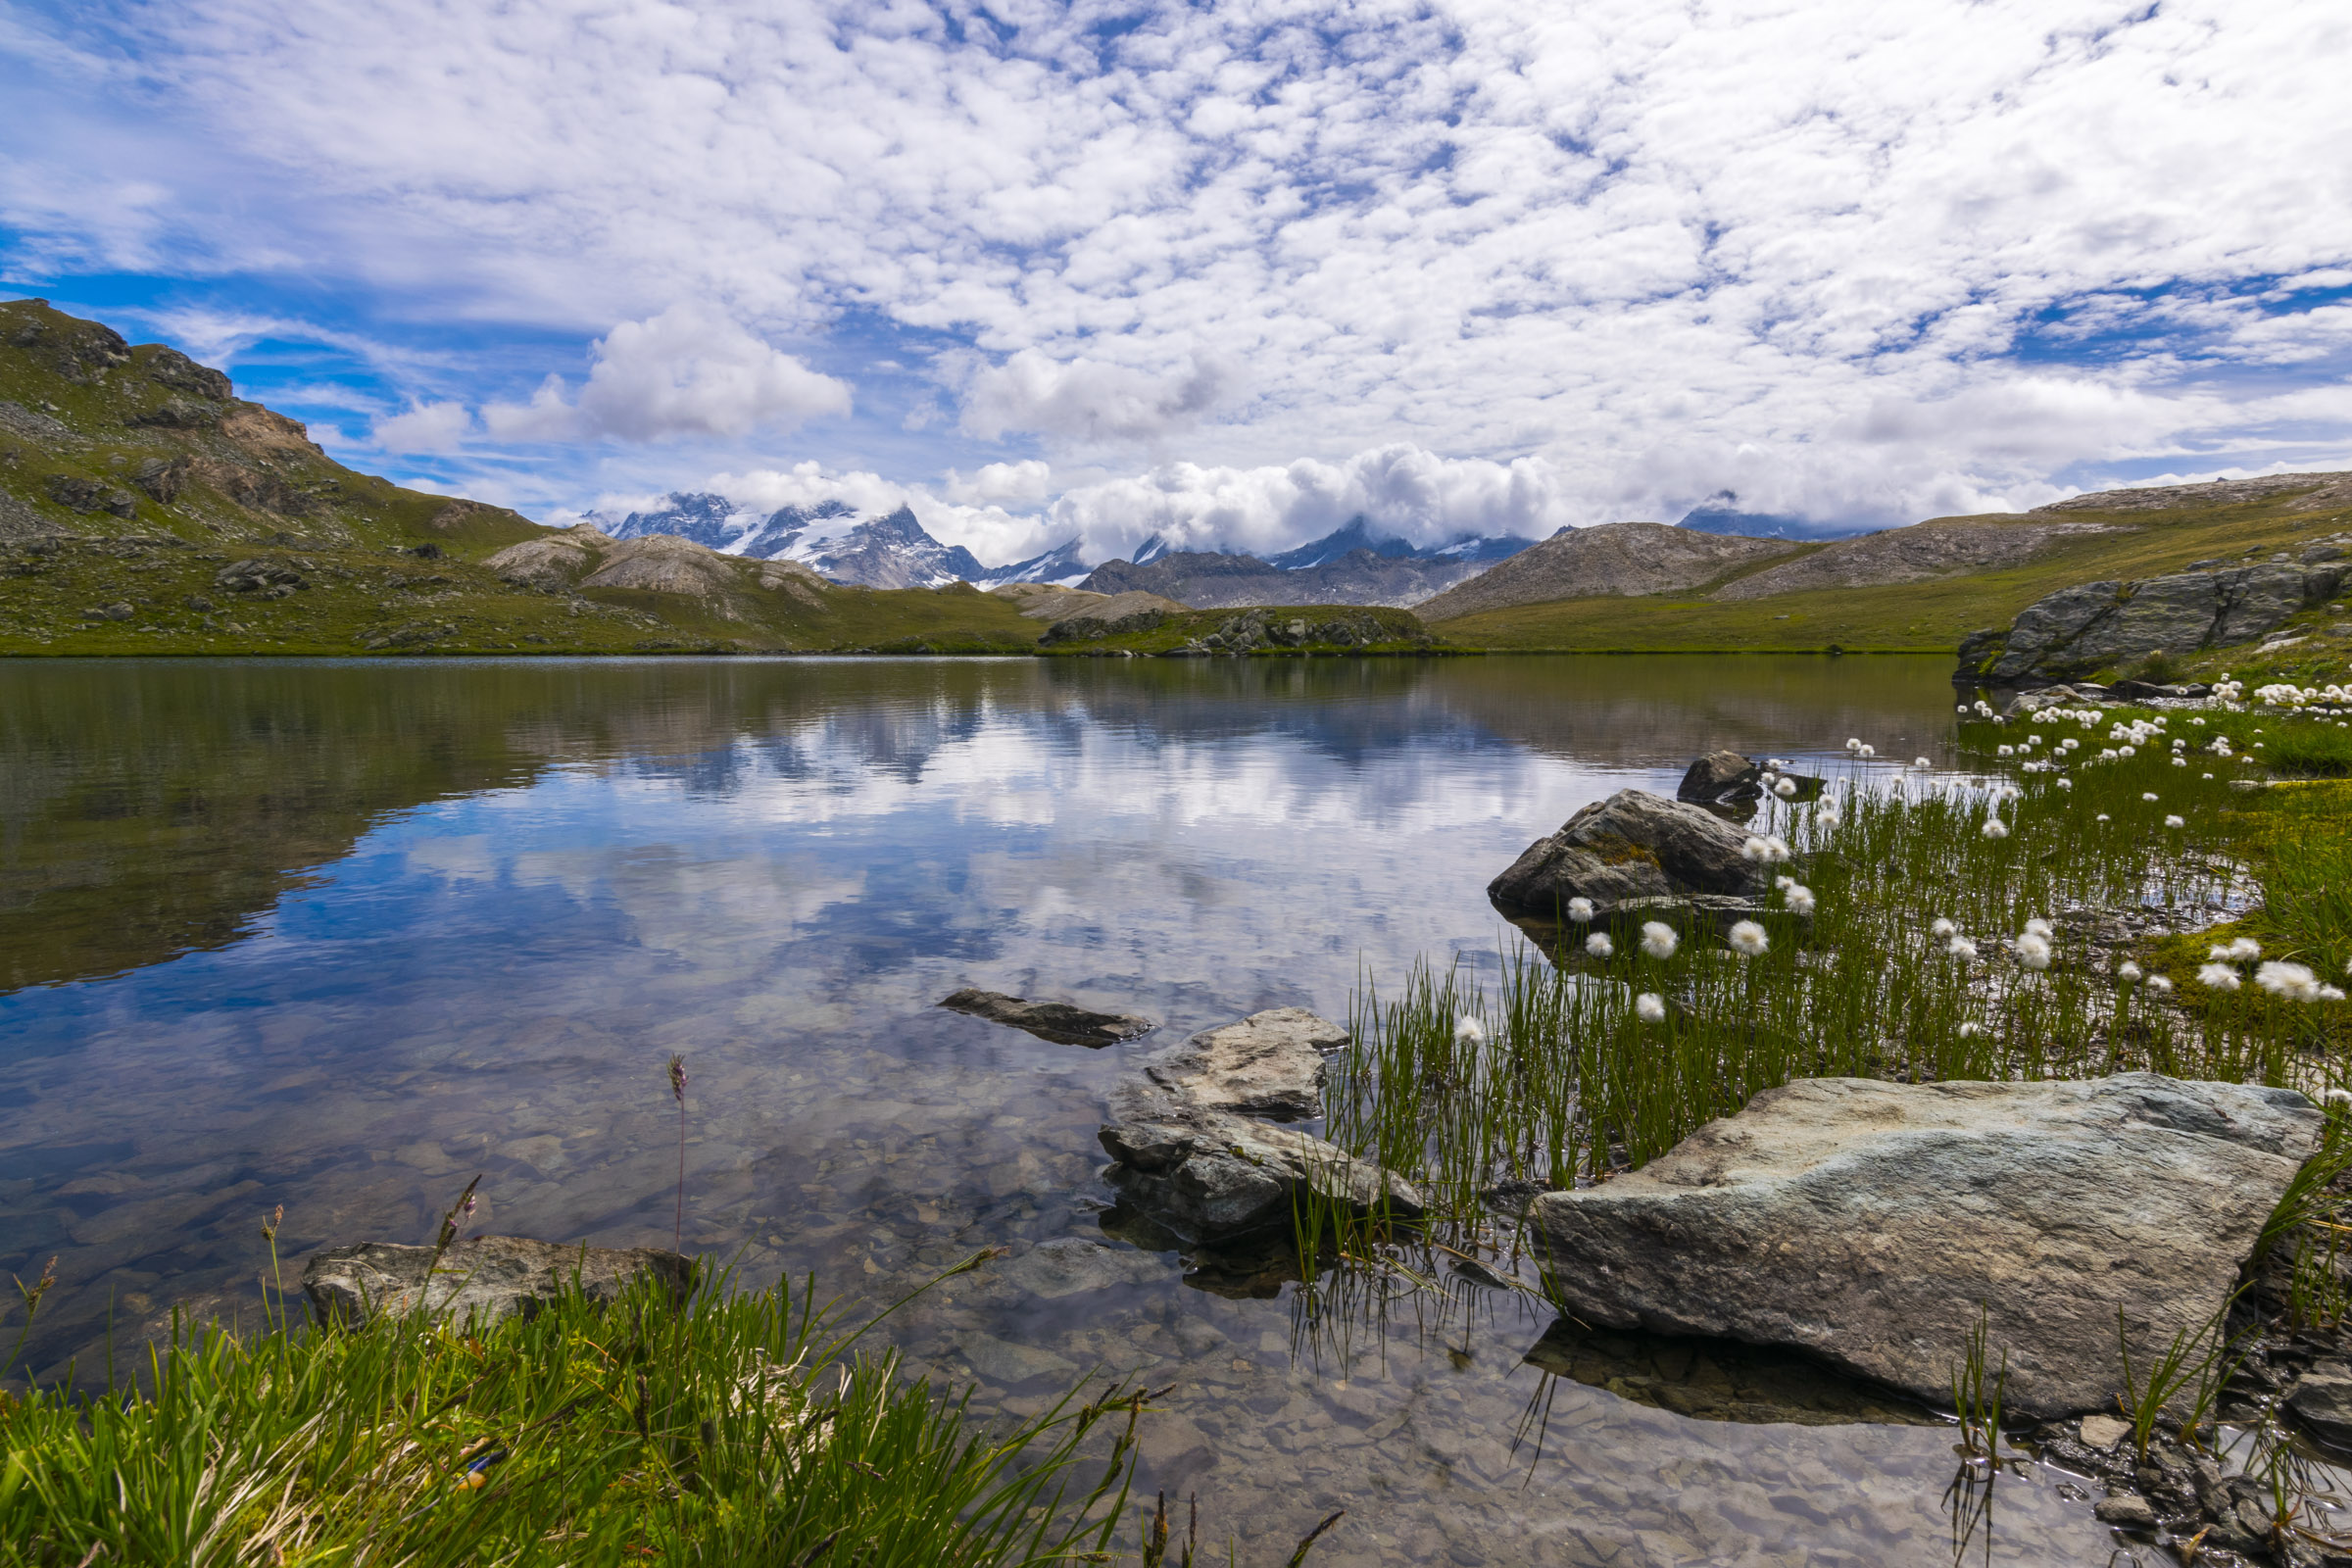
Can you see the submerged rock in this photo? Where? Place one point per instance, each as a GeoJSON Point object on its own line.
{"type": "Point", "coordinates": [1722, 778]}
{"type": "Point", "coordinates": [1269, 1065]}
{"type": "Point", "coordinates": [1864, 1223]}
{"type": "Point", "coordinates": [1057, 1021]}
{"type": "Point", "coordinates": [482, 1278]}
{"type": "Point", "coordinates": [1633, 844]}
{"type": "Point", "coordinates": [2322, 1400]}
{"type": "Point", "coordinates": [1719, 1379]}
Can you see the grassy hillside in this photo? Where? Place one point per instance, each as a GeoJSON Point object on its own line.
{"type": "Point", "coordinates": [144, 508]}
{"type": "Point", "coordinates": [1926, 617]}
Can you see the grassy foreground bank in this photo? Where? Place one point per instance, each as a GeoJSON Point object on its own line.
{"type": "Point", "coordinates": [740, 1428]}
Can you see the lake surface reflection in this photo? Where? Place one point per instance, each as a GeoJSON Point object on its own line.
{"type": "Point", "coordinates": [338, 936]}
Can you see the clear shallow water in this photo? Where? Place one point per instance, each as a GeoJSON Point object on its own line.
{"type": "Point", "coordinates": [338, 936]}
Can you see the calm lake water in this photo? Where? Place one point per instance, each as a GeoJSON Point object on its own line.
{"type": "Point", "coordinates": [340, 935]}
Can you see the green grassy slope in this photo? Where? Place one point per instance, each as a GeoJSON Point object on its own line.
{"type": "Point", "coordinates": [131, 479]}
{"type": "Point", "coordinates": [1918, 617]}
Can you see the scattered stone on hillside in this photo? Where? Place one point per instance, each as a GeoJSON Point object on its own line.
{"type": "Point", "coordinates": [172, 369]}
{"type": "Point", "coordinates": [1057, 1021]}
{"type": "Point", "coordinates": [162, 481]}
{"type": "Point", "coordinates": [2103, 625]}
{"type": "Point", "coordinates": [1721, 778]}
{"type": "Point", "coordinates": [483, 1279]}
{"type": "Point", "coordinates": [1916, 554]}
{"type": "Point", "coordinates": [1633, 844]}
{"type": "Point", "coordinates": [1268, 1065]}
{"type": "Point", "coordinates": [2325, 490]}
{"type": "Point", "coordinates": [72, 491]}
{"type": "Point", "coordinates": [113, 612]}
{"type": "Point", "coordinates": [276, 577]}
{"type": "Point", "coordinates": [665, 562]}
{"type": "Point", "coordinates": [1865, 1223]}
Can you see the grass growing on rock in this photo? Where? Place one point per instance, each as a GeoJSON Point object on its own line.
{"type": "Point", "coordinates": [735, 1428]}
{"type": "Point", "coordinates": [2020, 922]}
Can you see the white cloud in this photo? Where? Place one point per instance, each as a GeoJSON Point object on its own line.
{"type": "Point", "coordinates": [687, 371]}
{"type": "Point", "coordinates": [427, 428]}
{"type": "Point", "coordinates": [1027, 480]}
{"type": "Point", "coordinates": [1568, 262]}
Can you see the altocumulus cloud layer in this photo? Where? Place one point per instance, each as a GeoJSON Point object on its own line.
{"type": "Point", "coordinates": [1230, 272]}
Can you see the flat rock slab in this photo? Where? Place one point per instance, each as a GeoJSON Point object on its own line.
{"type": "Point", "coordinates": [1863, 1222]}
{"type": "Point", "coordinates": [1057, 1021]}
{"type": "Point", "coordinates": [1633, 844]}
{"type": "Point", "coordinates": [1205, 1174]}
{"type": "Point", "coordinates": [1268, 1065]}
{"type": "Point", "coordinates": [481, 1279]}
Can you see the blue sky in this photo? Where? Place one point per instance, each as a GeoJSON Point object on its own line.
{"type": "Point", "coordinates": [1228, 273]}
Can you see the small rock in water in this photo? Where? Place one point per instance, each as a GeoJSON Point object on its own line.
{"type": "Point", "coordinates": [1633, 844]}
{"type": "Point", "coordinates": [2128, 1510]}
{"type": "Point", "coordinates": [1268, 1065]}
{"type": "Point", "coordinates": [2322, 1400]}
{"type": "Point", "coordinates": [2104, 1431]}
{"type": "Point", "coordinates": [1057, 1021]}
{"type": "Point", "coordinates": [482, 1278]}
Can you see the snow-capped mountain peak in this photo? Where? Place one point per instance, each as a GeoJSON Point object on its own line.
{"type": "Point", "coordinates": [892, 551]}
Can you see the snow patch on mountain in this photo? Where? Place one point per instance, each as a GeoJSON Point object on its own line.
{"type": "Point", "coordinates": [893, 551]}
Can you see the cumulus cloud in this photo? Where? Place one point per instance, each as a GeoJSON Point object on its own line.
{"type": "Point", "coordinates": [1847, 259]}
{"type": "Point", "coordinates": [1027, 480]}
{"type": "Point", "coordinates": [427, 428]}
{"type": "Point", "coordinates": [687, 371]}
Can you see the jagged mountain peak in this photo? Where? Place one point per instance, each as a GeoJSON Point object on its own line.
{"type": "Point", "coordinates": [891, 550]}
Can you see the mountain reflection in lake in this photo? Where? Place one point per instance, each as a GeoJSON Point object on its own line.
{"type": "Point", "coordinates": [341, 935]}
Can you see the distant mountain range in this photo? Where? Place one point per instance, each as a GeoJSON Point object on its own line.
{"type": "Point", "coordinates": [1349, 565]}
{"type": "Point", "coordinates": [888, 551]}
{"type": "Point", "coordinates": [1720, 514]}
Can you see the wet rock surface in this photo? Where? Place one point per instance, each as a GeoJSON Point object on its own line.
{"type": "Point", "coordinates": [1633, 844]}
{"type": "Point", "coordinates": [1719, 1379]}
{"type": "Point", "coordinates": [1058, 1021]}
{"type": "Point", "coordinates": [1864, 1223]}
{"type": "Point", "coordinates": [1721, 778]}
{"type": "Point", "coordinates": [483, 1279]}
{"type": "Point", "coordinates": [1268, 1065]}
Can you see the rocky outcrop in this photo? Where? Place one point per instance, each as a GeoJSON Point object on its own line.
{"type": "Point", "coordinates": [1269, 1065]}
{"type": "Point", "coordinates": [481, 1279]}
{"type": "Point", "coordinates": [1942, 548]}
{"type": "Point", "coordinates": [1191, 1154]}
{"type": "Point", "coordinates": [2104, 625]}
{"type": "Point", "coordinates": [2319, 492]}
{"type": "Point", "coordinates": [1257, 630]}
{"type": "Point", "coordinates": [1110, 617]}
{"type": "Point", "coordinates": [1057, 1021]}
{"type": "Point", "coordinates": [1633, 844]}
{"type": "Point", "coordinates": [663, 564]}
{"type": "Point", "coordinates": [1866, 1222]}
{"type": "Point", "coordinates": [555, 562]}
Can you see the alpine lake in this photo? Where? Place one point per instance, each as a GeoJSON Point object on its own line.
{"type": "Point", "coordinates": [341, 935]}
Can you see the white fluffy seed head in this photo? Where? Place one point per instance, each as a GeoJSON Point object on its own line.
{"type": "Point", "coordinates": [1921, 762]}
{"type": "Point", "coordinates": [1801, 899]}
{"type": "Point", "coordinates": [1961, 947]}
{"type": "Point", "coordinates": [2066, 783]}
{"type": "Point", "coordinates": [2128, 970]}
{"type": "Point", "coordinates": [1754, 850]}
{"type": "Point", "coordinates": [2293, 981]}
{"type": "Point", "coordinates": [1971, 1029]}
{"type": "Point", "coordinates": [2176, 821]}
{"type": "Point", "coordinates": [2040, 927]}
{"type": "Point", "coordinates": [1785, 787]}
{"type": "Point", "coordinates": [2147, 795]}
{"type": "Point", "coordinates": [1599, 946]}
{"type": "Point", "coordinates": [1748, 939]}
{"type": "Point", "coordinates": [1651, 1008]}
{"type": "Point", "coordinates": [2220, 976]}
{"type": "Point", "coordinates": [1658, 939]}
{"type": "Point", "coordinates": [1996, 828]}
{"type": "Point", "coordinates": [1469, 1031]}
{"type": "Point", "coordinates": [2033, 951]}
{"type": "Point", "coordinates": [1580, 911]}
{"type": "Point", "coordinates": [2161, 983]}
{"type": "Point", "coordinates": [1942, 928]}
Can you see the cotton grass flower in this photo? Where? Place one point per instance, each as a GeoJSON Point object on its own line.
{"type": "Point", "coordinates": [2293, 981]}
{"type": "Point", "coordinates": [2220, 976]}
{"type": "Point", "coordinates": [1828, 816]}
{"type": "Point", "coordinates": [1921, 762]}
{"type": "Point", "coordinates": [1599, 946]}
{"type": "Point", "coordinates": [1971, 1029]}
{"type": "Point", "coordinates": [1962, 949]}
{"type": "Point", "coordinates": [2161, 983]}
{"type": "Point", "coordinates": [1785, 787]}
{"type": "Point", "coordinates": [2068, 783]}
{"type": "Point", "coordinates": [1799, 897]}
{"type": "Point", "coordinates": [1994, 828]}
{"type": "Point", "coordinates": [2335, 1096]}
{"type": "Point", "coordinates": [1658, 939]}
{"type": "Point", "coordinates": [2038, 927]}
{"type": "Point", "coordinates": [2238, 949]}
{"type": "Point", "coordinates": [2149, 795]}
{"type": "Point", "coordinates": [1943, 929]}
{"type": "Point", "coordinates": [2033, 951]}
{"type": "Point", "coordinates": [2176, 821]}
{"type": "Point", "coordinates": [2004, 751]}
{"type": "Point", "coordinates": [1650, 1007]}
{"type": "Point", "coordinates": [2128, 971]}
{"type": "Point", "coordinates": [2105, 818]}
{"type": "Point", "coordinates": [1748, 939]}
{"type": "Point", "coordinates": [1581, 910]}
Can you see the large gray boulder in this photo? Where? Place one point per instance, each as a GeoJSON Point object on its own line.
{"type": "Point", "coordinates": [481, 1279]}
{"type": "Point", "coordinates": [1863, 1222]}
{"type": "Point", "coordinates": [2103, 624]}
{"type": "Point", "coordinates": [1633, 844]}
{"type": "Point", "coordinates": [1268, 1065]}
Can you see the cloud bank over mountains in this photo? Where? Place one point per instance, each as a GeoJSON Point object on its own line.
{"type": "Point", "coordinates": [1226, 273]}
